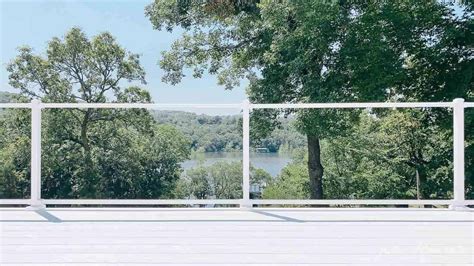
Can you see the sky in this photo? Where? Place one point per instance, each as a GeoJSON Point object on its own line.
{"type": "Point", "coordinates": [35, 22]}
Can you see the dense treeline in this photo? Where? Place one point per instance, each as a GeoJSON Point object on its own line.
{"type": "Point", "coordinates": [389, 156]}
{"type": "Point", "coordinates": [224, 132]}
{"type": "Point", "coordinates": [217, 133]}
{"type": "Point", "coordinates": [6, 97]}
{"type": "Point", "coordinates": [221, 180]}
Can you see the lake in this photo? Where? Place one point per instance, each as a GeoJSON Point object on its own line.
{"type": "Point", "coordinates": [270, 162]}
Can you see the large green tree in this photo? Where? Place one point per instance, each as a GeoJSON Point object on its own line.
{"type": "Point", "coordinates": [322, 51]}
{"type": "Point", "coordinates": [389, 156]}
{"type": "Point", "coordinates": [92, 153]}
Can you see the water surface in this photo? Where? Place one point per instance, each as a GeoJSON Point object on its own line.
{"type": "Point", "coordinates": [270, 162]}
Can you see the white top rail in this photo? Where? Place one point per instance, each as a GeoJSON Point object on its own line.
{"type": "Point", "coordinates": [352, 105]}
{"type": "Point", "coordinates": [136, 105]}
{"type": "Point", "coordinates": [15, 105]}
{"type": "Point", "coordinates": [120, 105]}
{"type": "Point", "coordinates": [238, 105]}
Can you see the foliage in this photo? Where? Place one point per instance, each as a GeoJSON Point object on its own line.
{"type": "Point", "coordinates": [89, 153]}
{"type": "Point", "coordinates": [6, 97]}
{"type": "Point", "coordinates": [75, 69]}
{"type": "Point", "coordinates": [221, 180]}
{"type": "Point", "coordinates": [469, 151]}
{"type": "Point", "coordinates": [15, 128]}
{"type": "Point", "coordinates": [126, 163]}
{"type": "Point", "coordinates": [224, 133]}
{"type": "Point", "coordinates": [381, 158]}
{"type": "Point", "coordinates": [384, 157]}
{"type": "Point", "coordinates": [292, 183]}
{"type": "Point", "coordinates": [323, 51]}
{"type": "Point", "coordinates": [290, 51]}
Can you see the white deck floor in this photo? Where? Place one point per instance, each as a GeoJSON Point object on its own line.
{"type": "Point", "coordinates": [234, 237]}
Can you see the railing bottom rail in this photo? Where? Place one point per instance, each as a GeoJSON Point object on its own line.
{"type": "Point", "coordinates": [235, 202]}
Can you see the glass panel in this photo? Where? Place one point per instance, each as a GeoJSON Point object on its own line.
{"type": "Point", "coordinates": [140, 154]}
{"type": "Point", "coordinates": [214, 167]}
{"type": "Point", "coordinates": [469, 152]}
{"type": "Point", "coordinates": [15, 153]}
{"type": "Point", "coordinates": [364, 154]}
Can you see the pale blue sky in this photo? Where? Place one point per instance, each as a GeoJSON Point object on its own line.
{"type": "Point", "coordinates": [35, 22]}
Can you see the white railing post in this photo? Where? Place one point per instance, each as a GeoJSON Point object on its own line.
{"type": "Point", "coordinates": [36, 155]}
{"type": "Point", "coordinates": [458, 154]}
{"type": "Point", "coordinates": [246, 155]}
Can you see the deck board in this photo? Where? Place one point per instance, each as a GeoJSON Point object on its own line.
{"type": "Point", "coordinates": [234, 237]}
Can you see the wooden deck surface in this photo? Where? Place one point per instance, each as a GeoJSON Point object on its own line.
{"type": "Point", "coordinates": [234, 237]}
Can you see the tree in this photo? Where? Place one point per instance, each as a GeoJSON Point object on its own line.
{"type": "Point", "coordinates": [396, 155]}
{"type": "Point", "coordinates": [393, 155]}
{"type": "Point", "coordinates": [291, 183]}
{"type": "Point", "coordinates": [321, 51]}
{"type": "Point", "coordinates": [221, 180]}
{"type": "Point", "coordinates": [15, 157]}
{"type": "Point", "coordinates": [95, 153]}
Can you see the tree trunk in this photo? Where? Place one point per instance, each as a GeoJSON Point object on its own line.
{"type": "Point", "coordinates": [315, 168]}
{"type": "Point", "coordinates": [418, 191]}
{"type": "Point", "coordinates": [89, 188]}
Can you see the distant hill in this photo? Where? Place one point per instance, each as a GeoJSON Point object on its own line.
{"type": "Point", "coordinates": [224, 133]}
{"type": "Point", "coordinates": [210, 133]}
{"type": "Point", "coordinates": [6, 97]}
